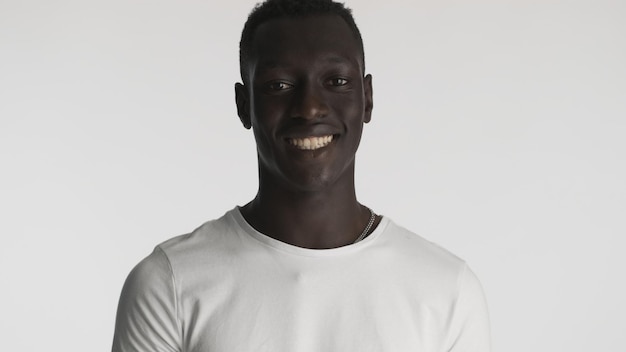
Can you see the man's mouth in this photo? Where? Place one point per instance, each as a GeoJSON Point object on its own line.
{"type": "Point", "coordinates": [311, 143]}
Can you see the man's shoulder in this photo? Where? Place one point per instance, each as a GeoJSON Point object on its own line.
{"type": "Point", "coordinates": [212, 235]}
{"type": "Point", "coordinates": [412, 247]}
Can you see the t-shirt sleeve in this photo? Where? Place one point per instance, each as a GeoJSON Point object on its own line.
{"type": "Point", "coordinates": [147, 311]}
{"type": "Point", "coordinates": [470, 330]}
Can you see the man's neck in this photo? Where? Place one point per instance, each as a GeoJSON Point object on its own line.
{"type": "Point", "coordinates": [319, 220]}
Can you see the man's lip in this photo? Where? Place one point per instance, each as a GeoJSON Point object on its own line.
{"type": "Point", "coordinates": [310, 135]}
{"type": "Point", "coordinates": [299, 132]}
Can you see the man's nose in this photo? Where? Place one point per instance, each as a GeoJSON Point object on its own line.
{"type": "Point", "coordinates": [309, 103]}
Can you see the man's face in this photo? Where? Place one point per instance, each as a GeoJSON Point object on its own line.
{"type": "Point", "coordinates": [306, 101]}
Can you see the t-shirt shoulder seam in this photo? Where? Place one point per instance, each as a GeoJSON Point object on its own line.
{"type": "Point", "coordinates": [459, 287]}
{"type": "Point", "coordinates": [174, 287]}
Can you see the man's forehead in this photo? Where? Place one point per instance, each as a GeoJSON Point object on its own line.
{"type": "Point", "coordinates": [262, 65]}
{"type": "Point", "coordinates": [277, 63]}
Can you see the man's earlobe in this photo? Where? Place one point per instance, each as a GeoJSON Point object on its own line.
{"type": "Point", "coordinates": [369, 98]}
{"type": "Point", "coordinates": [243, 104]}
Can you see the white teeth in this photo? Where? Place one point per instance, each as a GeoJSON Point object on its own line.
{"type": "Point", "coordinates": [311, 143]}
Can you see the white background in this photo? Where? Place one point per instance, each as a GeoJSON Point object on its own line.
{"type": "Point", "coordinates": [498, 132]}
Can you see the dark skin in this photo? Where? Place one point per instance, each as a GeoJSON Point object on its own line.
{"type": "Point", "coordinates": [306, 102]}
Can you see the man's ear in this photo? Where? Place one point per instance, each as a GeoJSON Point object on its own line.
{"type": "Point", "coordinates": [369, 99]}
{"type": "Point", "coordinates": [242, 99]}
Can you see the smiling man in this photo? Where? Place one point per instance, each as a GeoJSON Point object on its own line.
{"type": "Point", "coordinates": [303, 266]}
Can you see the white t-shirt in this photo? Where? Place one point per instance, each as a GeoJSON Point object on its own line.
{"type": "Point", "coordinates": [227, 288]}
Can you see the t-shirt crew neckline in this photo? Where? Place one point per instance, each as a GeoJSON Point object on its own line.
{"type": "Point", "coordinates": [289, 248]}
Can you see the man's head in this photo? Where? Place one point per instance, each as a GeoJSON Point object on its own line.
{"type": "Point", "coordinates": [276, 9]}
{"type": "Point", "coordinates": [306, 98]}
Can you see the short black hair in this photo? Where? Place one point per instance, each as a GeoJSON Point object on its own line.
{"type": "Point", "coordinates": [276, 9]}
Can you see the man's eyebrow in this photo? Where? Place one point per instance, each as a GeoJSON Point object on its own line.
{"type": "Point", "coordinates": [268, 66]}
{"type": "Point", "coordinates": [345, 62]}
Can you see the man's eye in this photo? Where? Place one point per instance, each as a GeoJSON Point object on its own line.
{"type": "Point", "coordinates": [278, 86]}
{"type": "Point", "coordinates": [338, 82]}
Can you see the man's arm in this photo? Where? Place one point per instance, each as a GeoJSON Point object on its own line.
{"type": "Point", "coordinates": [470, 331]}
{"type": "Point", "coordinates": [147, 312]}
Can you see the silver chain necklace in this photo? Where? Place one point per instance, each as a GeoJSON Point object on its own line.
{"type": "Point", "coordinates": [368, 227]}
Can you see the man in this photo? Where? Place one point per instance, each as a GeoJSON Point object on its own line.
{"type": "Point", "coordinates": [303, 266]}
